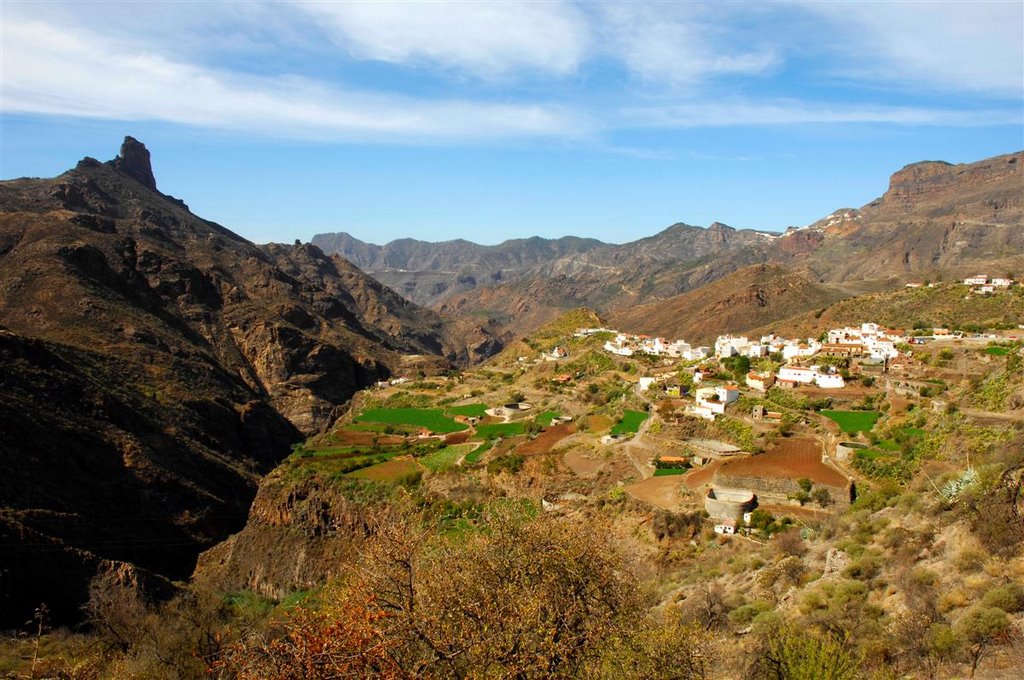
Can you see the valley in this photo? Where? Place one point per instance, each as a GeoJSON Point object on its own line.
{"type": "Point", "coordinates": [236, 461]}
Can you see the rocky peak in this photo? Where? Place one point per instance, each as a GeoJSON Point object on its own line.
{"type": "Point", "coordinates": [134, 161]}
{"type": "Point", "coordinates": [718, 226]}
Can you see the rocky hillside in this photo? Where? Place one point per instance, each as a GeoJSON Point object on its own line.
{"type": "Point", "coordinates": [759, 294]}
{"type": "Point", "coordinates": [156, 364]}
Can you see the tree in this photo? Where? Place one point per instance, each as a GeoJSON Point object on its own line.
{"type": "Point", "coordinates": [822, 497]}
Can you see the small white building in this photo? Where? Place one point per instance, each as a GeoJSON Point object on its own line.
{"type": "Point", "coordinates": [715, 398]}
{"type": "Point", "coordinates": [794, 349]}
{"type": "Point", "coordinates": [725, 529]}
{"type": "Point", "coordinates": [829, 380]}
{"type": "Point", "coordinates": [696, 353]}
{"type": "Point", "coordinates": [797, 374]}
{"type": "Point", "coordinates": [978, 280]}
{"type": "Point", "coordinates": [645, 383]}
{"type": "Point", "coordinates": [1002, 283]}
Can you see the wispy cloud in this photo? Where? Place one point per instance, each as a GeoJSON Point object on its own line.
{"type": "Point", "coordinates": [696, 61]}
{"type": "Point", "coordinates": [940, 46]}
{"type": "Point", "coordinates": [677, 44]}
{"type": "Point", "coordinates": [792, 112]}
{"type": "Point", "coordinates": [488, 39]}
{"type": "Point", "coordinates": [51, 70]}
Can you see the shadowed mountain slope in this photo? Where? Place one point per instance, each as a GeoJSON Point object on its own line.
{"type": "Point", "coordinates": [156, 365]}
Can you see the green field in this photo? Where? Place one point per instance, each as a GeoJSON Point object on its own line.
{"type": "Point", "coordinates": [666, 472]}
{"type": "Point", "coordinates": [474, 456]}
{"type": "Point", "coordinates": [494, 430]}
{"type": "Point", "coordinates": [442, 459]}
{"type": "Point", "coordinates": [997, 351]}
{"type": "Point", "coordinates": [431, 418]}
{"type": "Point", "coordinates": [854, 421]}
{"type": "Point", "coordinates": [468, 410]}
{"type": "Point", "coordinates": [546, 417]}
{"type": "Point", "coordinates": [630, 422]}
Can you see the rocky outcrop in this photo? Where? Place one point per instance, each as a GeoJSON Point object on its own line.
{"type": "Point", "coordinates": [134, 161]}
{"type": "Point", "coordinates": [300, 533]}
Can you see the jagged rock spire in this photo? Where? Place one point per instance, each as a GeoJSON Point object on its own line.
{"type": "Point", "coordinates": [134, 160]}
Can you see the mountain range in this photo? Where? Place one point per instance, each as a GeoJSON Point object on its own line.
{"type": "Point", "coordinates": [936, 220]}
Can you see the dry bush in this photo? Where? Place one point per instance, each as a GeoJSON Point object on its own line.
{"type": "Point", "coordinates": [521, 597]}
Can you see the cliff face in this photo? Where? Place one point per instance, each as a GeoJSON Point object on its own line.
{"type": "Point", "coordinates": [299, 533]}
{"type": "Point", "coordinates": [155, 365]}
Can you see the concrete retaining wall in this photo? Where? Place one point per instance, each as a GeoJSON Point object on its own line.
{"type": "Point", "coordinates": [729, 504]}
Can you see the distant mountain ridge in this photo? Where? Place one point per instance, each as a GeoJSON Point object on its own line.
{"type": "Point", "coordinates": [935, 220]}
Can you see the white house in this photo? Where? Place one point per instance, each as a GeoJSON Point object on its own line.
{"type": "Point", "coordinates": [727, 346]}
{"type": "Point", "coordinates": [979, 280]}
{"type": "Point", "coordinates": [794, 349]}
{"type": "Point", "coordinates": [617, 348]}
{"type": "Point", "coordinates": [717, 397]}
{"type": "Point", "coordinates": [1002, 283]}
{"type": "Point", "coordinates": [645, 383]}
{"type": "Point", "coordinates": [796, 374]}
{"type": "Point", "coordinates": [829, 380]}
{"type": "Point", "coordinates": [696, 353]}
{"type": "Point", "coordinates": [699, 411]}
{"type": "Point", "coordinates": [987, 289]}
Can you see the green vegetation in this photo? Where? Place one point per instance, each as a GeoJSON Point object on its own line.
{"type": "Point", "coordinates": [667, 471]}
{"type": "Point", "coordinates": [443, 459]}
{"type": "Point", "coordinates": [630, 422]}
{"type": "Point", "coordinates": [474, 456]}
{"type": "Point", "coordinates": [468, 410]}
{"type": "Point", "coordinates": [997, 350]}
{"type": "Point", "coordinates": [430, 418]}
{"type": "Point", "coordinates": [495, 430]}
{"type": "Point", "coordinates": [854, 421]}
{"type": "Point", "coordinates": [547, 417]}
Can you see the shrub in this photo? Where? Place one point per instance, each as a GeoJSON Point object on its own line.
{"type": "Point", "coordinates": [1009, 598]}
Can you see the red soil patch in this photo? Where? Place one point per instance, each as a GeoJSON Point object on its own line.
{"type": "Point", "coordinates": [581, 465]}
{"type": "Point", "coordinates": [457, 438]}
{"type": "Point", "coordinates": [660, 491]}
{"type": "Point", "coordinates": [702, 476]}
{"type": "Point", "coordinates": [546, 440]}
{"type": "Point", "coordinates": [791, 459]}
{"type": "Point", "coordinates": [388, 471]}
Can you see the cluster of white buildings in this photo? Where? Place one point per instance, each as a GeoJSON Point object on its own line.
{"type": "Point", "coordinates": [983, 284]}
{"type": "Point", "coordinates": [789, 348]}
{"type": "Point", "coordinates": [869, 339]}
{"type": "Point", "coordinates": [627, 345]}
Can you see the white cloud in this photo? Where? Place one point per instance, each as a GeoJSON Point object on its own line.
{"type": "Point", "coordinates": [487, 39]}
{"type": "Point", "coordinates": [960, 46]}
{"type": "Point", "coordinates": [51, 70]}
{"type": "Point", "coordinates": [793, 112]}
{"type": "Point", "coordinates": [679, 44]}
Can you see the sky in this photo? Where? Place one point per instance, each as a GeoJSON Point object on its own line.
{"type": "Point", "coordinates": [497, 120]}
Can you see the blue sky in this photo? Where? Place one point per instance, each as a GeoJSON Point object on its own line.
{"type": "Point", "coordinates": [497, 120]}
